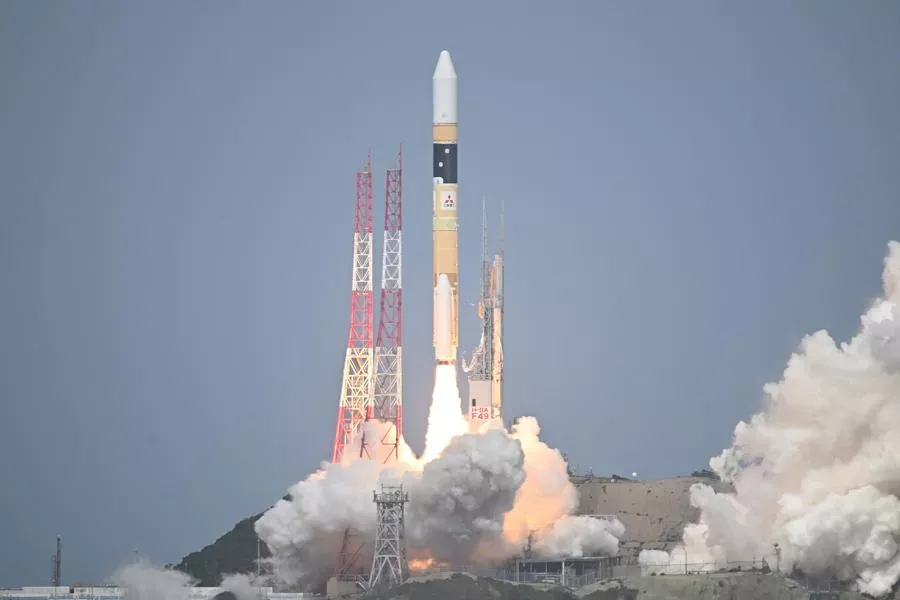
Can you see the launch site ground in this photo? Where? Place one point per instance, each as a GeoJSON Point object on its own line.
{"type": "Point", "coordinates": [714, 586]}
{"type": "Point", "coordinates": [654, 513]}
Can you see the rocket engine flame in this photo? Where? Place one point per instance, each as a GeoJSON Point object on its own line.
{"type": "Point", "coordinates": [445, 418]}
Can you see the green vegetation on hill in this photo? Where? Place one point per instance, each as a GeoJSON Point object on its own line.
{"type": "Point", "coordinates": [234, 552]}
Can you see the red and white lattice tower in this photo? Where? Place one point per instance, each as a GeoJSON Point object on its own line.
{"type": "Point", "coordinates": [388, 394]}
{"type": "Point", "coordinates": [357, 383]}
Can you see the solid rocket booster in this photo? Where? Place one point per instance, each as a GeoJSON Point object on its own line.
{"type": "Point", "coordinates": [445, 226]}
{"type": "Point", "coordinates": [443, 317]}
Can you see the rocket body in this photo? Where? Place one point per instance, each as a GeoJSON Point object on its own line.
{"type": "Point", "coordinates": [445, 224]}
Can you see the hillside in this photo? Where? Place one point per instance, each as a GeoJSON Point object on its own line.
{"type": "Point", "coordinates": [234, 552]}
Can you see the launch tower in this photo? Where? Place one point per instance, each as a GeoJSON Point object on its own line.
{"type": "Point", "coordinates": [485, 370]}
{"type": "Point", "coordinates": [357, 387]}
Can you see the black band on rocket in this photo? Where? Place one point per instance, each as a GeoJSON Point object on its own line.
{"type": "Point", "coordinates": [445, 162]}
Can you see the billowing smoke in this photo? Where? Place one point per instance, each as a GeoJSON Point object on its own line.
{"type": "Point", "coordinates": [818, 470]}
{"type": "Point", "coordinates": [547, 499]}
{"type": "Point", "coordinates": [473, 498]}
{"type": "Point", "coordinates": [144, 581]}
{"type": "Point", "coordinates": [461, 497]}
{"type": "Point", "coordinates": [580, 536]}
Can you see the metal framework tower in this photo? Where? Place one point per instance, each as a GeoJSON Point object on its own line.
{"type": "Point", "coordinates": [389, 566]}
{"type": "Point", "coordinates": [57, 563]}
{"type": "Point", "coordinates": [479, 368]}
{"type": "Point", "coordinates": [496, 292]}
{"type": "Point", "coordinates": [388, 394]}
{"type": "Point", "coordinates": [485, 370]}
{"type": "Point", "coordinates": [356, 385]}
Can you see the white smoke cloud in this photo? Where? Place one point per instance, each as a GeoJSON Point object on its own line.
{"type": "Point", "coordinates": [144, 581]}
{"type": "Point", "coordinates": [546, 501]}
{"type": "Point", "coordinates": [244, 587]}
{"type": "Point", "coordinates": [462, 496]}
{"type": "Point", "coordinates": [580, 536]}
{"type": "Point", "coordinates": [455, 502]}
{"type": "Point", "coordinates": [818, 470]}
{"type": "Point", "coordinates": [474, 498]}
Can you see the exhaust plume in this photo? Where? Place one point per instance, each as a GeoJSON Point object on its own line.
{"type": "Point", "coordinates": [818, 470]}
{"type": "Point", "coordinates": [473, 499]}
{"type": "Point", "coordinates": [461, 497]}
{"type": "Point", "coordinates": [445, 417]}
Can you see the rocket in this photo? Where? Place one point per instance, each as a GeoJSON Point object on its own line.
{"type": "Point", "coordinates": [445, 225]}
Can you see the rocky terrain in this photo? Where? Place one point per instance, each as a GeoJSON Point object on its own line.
{"type": "Point", "coordinates": [654, 511]}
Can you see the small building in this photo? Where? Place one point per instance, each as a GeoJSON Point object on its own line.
{"type": "Point", "coordinates": [101, 592]}
{"type": "Point", "coordinates": [569, 572]}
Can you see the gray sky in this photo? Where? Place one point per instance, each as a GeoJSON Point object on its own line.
{"type": "Point", "coordinates": [689, 190]}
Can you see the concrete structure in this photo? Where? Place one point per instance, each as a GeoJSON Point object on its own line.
{"type": "Point", "coordinates": [653, 511]}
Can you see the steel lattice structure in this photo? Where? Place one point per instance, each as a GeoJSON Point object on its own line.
{"type": "Point", "coordinates": [357, 382]}
{"type": "Point", "coordinates": [388, 392]}
{"type": "Point", "coordinates": [389, 565]}
{"type": "Point", "coordinates": [485, 370]}
{"type": "Point", "coordinates": [480, 365]}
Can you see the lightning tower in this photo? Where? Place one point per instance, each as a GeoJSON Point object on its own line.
{"type": "Point", "coordinates": [356, 385]}
{"type": "Point", "coordinates": [388, 394]}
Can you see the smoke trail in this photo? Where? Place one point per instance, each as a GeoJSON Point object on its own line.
{"type": "Point", "coordinates": [818, 470]}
